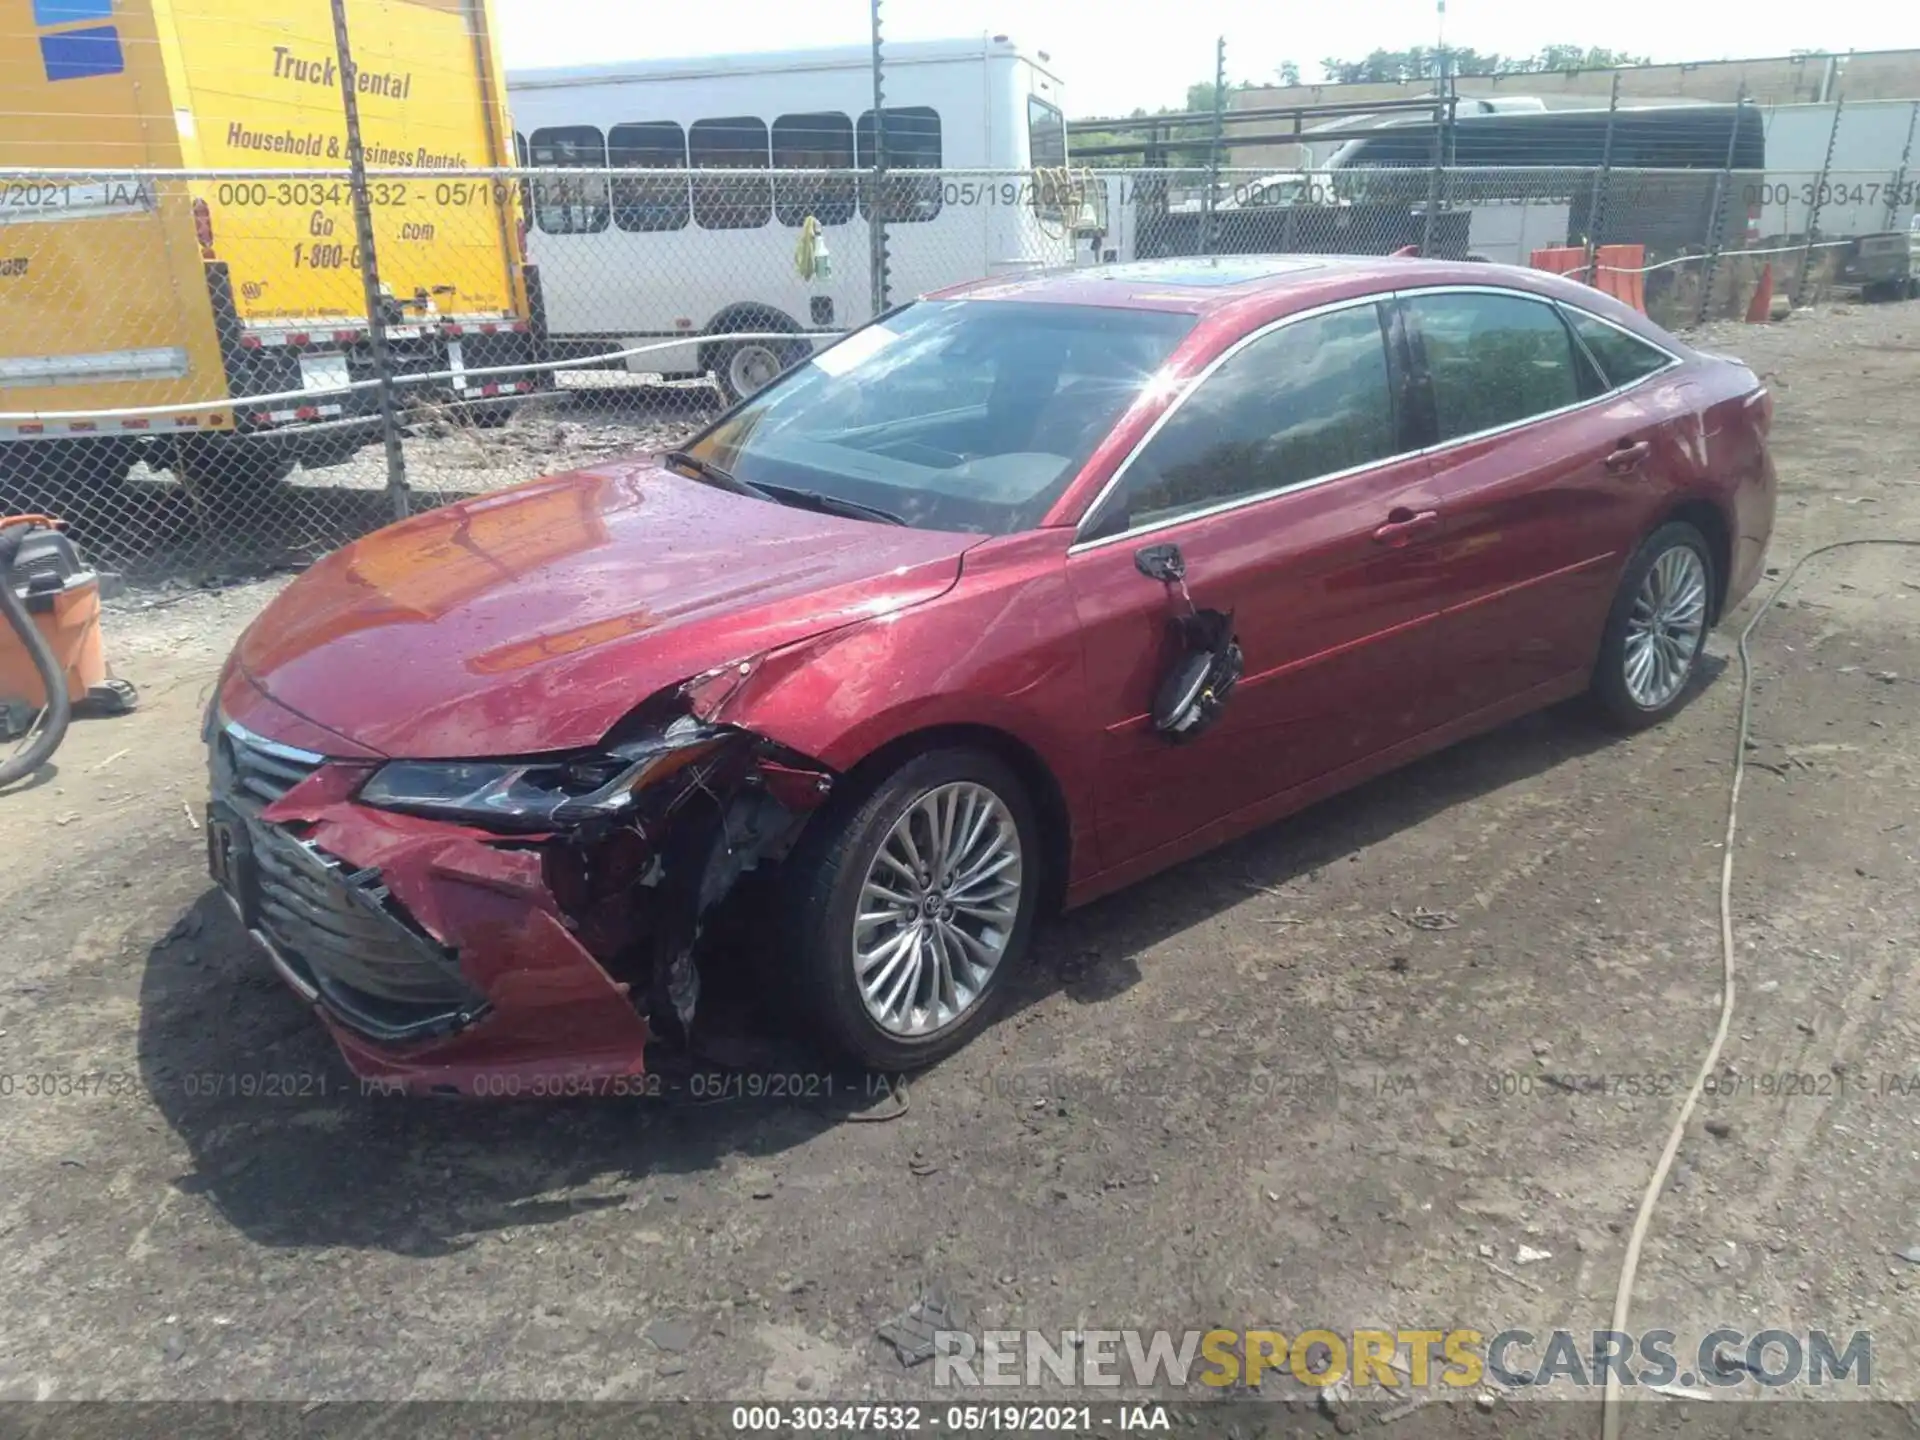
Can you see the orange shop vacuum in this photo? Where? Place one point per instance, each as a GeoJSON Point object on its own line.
{"type": "Point", "coordinates": [51, 662]}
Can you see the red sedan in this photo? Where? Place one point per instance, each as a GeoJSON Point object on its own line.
{"type": "Point", "coordinates": [1021, 593]}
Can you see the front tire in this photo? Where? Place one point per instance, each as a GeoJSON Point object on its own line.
{"type": "Point", "coordinates": [913, 909]}
{"type": "Point", "coordinates": [1657, 628]}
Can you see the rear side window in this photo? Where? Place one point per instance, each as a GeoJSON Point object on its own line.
{"type": "Point", "coordinates": [655, 204]}
{"type": "Point", "coordinates": [1305, 401]}
{"type": "Point", "coordinates": [730, 203]}
{"type": "Point", "coordinates": [1623, 358]}
{"type": "Point", "coordinates": [822, 141]}
{"type": "Point", "coordinates": [563, 206]}
{"type": "Point", "coordinates": [1494, 360]}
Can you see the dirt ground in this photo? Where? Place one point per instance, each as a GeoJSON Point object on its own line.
{"type": "Point", "coordinates": [1335, 1075]}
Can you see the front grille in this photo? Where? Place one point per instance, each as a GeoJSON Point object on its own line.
{"type": "Point", "coordinates": [254, 770]}
{"type": "Point", "coordinates": [348, 938]}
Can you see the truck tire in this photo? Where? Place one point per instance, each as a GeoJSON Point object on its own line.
{"type": "Point", "coordinates": [62, 475]}
{"type": "Point", "coordinates": [485, 417]}
{"type": "Point", "coordinates": [317, 452]}
{"type": "Point", "coordinates": [232, 464]}
{"type": "Point", "coordinates": [743, 367]}
{"type": "Point", "coordinates": [747, 366]}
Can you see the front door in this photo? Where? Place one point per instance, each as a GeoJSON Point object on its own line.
{"type": "Point", "coordinates": [1281, 477]}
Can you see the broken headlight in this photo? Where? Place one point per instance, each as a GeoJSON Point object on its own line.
{"type": "Point", "coordinates": [546, 793]}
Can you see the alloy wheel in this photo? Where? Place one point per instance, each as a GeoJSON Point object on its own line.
{"type": "Point", "coordinates": [1664, 628]}
{"type": "Point", "coordinates": [936, 909]}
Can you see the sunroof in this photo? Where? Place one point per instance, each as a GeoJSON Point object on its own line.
{"type": "Point", "coordinates": [1207, 270]}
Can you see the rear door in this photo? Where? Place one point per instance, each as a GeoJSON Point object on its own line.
{"type": "Point", "coordinates": [1541, 486]}
{"type": "Point", "coordinates": [1284, 476]}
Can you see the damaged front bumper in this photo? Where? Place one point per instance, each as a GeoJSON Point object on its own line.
{"type": "Point", "coordinates": [452, 960]}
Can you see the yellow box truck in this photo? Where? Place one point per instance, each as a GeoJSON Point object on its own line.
{"type": "Point", "coordinates": [122, 291]}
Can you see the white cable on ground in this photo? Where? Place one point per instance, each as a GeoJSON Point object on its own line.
{"type": "Point", "coordinates": [1623, 1296]}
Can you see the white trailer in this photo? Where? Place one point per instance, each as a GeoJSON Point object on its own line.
{"type": "Point", "coordinates": [634, 250]}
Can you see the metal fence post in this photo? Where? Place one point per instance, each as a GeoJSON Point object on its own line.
{"type": "Point", "coordinates": [1445, 104]}
{"type": "Point", "coordinates": [1900, 175]}
{"type": "Point", "coordinates": [877, 211]}
{"type": "Point", "coordinates": [1717, 216]}
{"type": "Point", "coordinates": [1210, 199]}
{"type": "Point", "coordinates": [397, 494]}
{"type": "Point", "coordinates": [1819, 199]}
{"type": "Point", "coordinates": [1602, 183]}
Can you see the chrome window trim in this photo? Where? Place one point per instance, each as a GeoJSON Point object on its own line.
{"type": "Point", "coordinates": [1586, 314]}
{"type": "Point", "coordinates": [1558, 411]}
{"type": "Point", "coordinates": [1239, 501]}
{"type": "Point", "coordinates": [1173, 408]}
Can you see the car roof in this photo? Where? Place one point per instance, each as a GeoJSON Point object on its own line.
{"type": "Point", "coordinates": [1272, 284]}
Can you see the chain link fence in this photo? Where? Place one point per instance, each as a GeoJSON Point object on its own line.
{"type": "Point", "coordinates": [192, 374]}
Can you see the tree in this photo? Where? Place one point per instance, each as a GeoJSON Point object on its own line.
{"type": "Point", "coordinates": [1573, 57]}
{"type": "Point", "coordinates": [1419, 63]}
{"type": "Point", "coordinates": [1289, 73]}
{"type": "Point", "coordinates": [1182, 146]}
{"type": "Point", "coordinates": [1199, 96]}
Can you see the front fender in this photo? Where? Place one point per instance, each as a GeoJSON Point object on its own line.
{"type": "Point", "coordinates": [1001, 650]}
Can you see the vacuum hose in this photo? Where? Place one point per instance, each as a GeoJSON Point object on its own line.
{"type": "Point", "coordinates": [53, 726]}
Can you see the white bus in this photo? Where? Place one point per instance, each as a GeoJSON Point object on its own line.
{"type": "Point", "coordinates": [627, 259]}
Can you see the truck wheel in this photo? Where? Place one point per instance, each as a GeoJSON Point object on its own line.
{"type": "Point", "coordinates": [61, 471]}
{"type": "Point", "coordinates": [749, 366]}
{"type": "Point", "coordinates": [319, 451]}
{"type": "Point", "coordinates": [486, 417]}
{"type": "Point", "coordinates": [227, 464]}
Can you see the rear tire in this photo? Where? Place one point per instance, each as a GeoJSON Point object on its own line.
{"type": "Point", "coordinates": [63, 475]}
{"type": "Point", "coordinates": [1657, 628]}
{"type": "Point", "coordinates": [232, 464]}
{"type": "Point", "coordinates": [900, 971]}
{"type": "Point", "coordinates": [746, 367]}
{"type": "Point", "coordinates": [317, 452]}
{"type": "Point", "coordinates": [483, 415]}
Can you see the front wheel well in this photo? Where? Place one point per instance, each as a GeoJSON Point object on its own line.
{"type": "Point", "coordinates": [1710, 521]}
{"type": "Point", "coordinates": [1043, 788]}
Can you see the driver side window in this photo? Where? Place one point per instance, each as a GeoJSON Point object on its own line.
{"type": "Point", "coordinates": [1307, 400]}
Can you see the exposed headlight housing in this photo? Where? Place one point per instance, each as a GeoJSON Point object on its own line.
{"type": "Point", "coordinates": [548, 792]}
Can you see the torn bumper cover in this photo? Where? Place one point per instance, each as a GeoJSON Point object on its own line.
{"type": "Point", "coordinates": [449, 957]}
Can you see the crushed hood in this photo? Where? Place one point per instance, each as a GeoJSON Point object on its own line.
{"type": "Point", "coordinates": [534, 619]}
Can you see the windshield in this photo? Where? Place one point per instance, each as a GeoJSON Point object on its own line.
{"type": "Point", "coordinates": [951, 414]}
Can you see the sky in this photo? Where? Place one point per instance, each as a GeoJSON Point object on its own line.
{"type": "Point", "coordinates": [1114, 55]}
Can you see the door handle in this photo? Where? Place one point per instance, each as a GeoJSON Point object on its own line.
{"type": "Point", "coordinates": [1627, 456]}
{"type": "Point", "coordinates": [1403, 526]}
